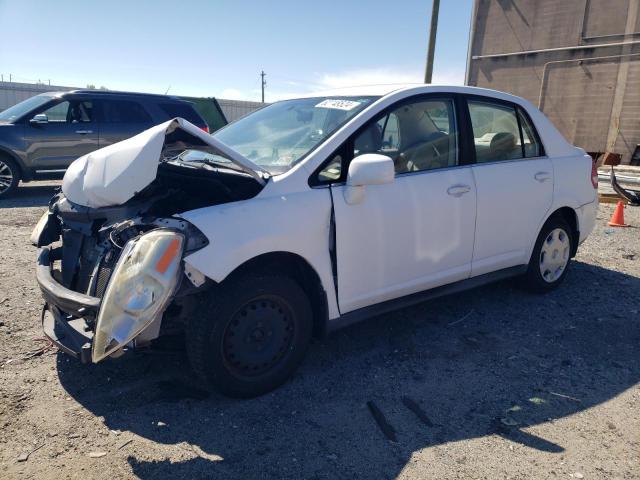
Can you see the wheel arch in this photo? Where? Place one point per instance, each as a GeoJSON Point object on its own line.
{"type": "Point", "coordinates": [4, 151]}
{"type": "Point", "coordinates": [569, 215]}
{"type": "Point", "coordinates": [301, 271]}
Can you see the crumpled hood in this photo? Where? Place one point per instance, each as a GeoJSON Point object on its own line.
{"type": "Point", "coordinates": [114, 174]}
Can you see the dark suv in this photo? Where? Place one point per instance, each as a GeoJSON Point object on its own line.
{"type": "Point", "coordinates": [42, 135]}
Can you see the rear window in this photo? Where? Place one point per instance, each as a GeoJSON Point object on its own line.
{"type": "Point", "coordinates": [124, 111]}
{"type": "Point", "coordinates": [183, 110]}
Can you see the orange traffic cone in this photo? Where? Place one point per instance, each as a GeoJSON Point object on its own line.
{"type": "Point", "coordinates": [617, 219]}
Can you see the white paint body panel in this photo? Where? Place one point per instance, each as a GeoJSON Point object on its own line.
{"type": "Point", "coordinates": [296, 222]}
{"type": "Point", "coordinates": [404, 236]}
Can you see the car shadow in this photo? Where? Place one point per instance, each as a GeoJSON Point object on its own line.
{"type": "Point", "coordinates": [491, 361]}
{"type": "Point", "coordinates": [35, 194]}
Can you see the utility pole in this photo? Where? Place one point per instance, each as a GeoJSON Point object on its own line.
{"type": "Point", "coordinates": [432, 41]}
{"type": "Point", "coordinates": [263, 83]}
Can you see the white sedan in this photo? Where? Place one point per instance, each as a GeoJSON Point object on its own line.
{"type": "Point", "coordinates": [303, 217]}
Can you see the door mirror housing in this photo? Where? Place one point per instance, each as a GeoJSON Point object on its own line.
{"type": "Point", "coordinates": [39, 119]}
{"type": "Point", "coordinates": [370, 169]}
{"type": "Point", "coordinates": [367, 169]}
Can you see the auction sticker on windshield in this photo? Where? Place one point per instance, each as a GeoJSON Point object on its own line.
{"type": "Point", "coordinates": [338, 104]}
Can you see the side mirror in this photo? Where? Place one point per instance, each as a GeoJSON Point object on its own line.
{"type": "Point", "coordinates": [367, 169]}
{"type": "Point", "coordinates": [39, 119]}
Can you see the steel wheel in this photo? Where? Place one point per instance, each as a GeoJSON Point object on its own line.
{"type": "Point", "coordinates": [258, 336]}
{"type": "Point", "coordinates": [6, 177]}
{"type": "Point", "coordinates": [252, 334]}
{"type": "Point", "coordinates": [554, 255]}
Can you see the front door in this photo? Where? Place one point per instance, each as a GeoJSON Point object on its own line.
{"type": "Point", "coordinates": [514, 182]}
{"type": "Point", "coordinates": [69, 132]}
{"type": "Point", "coordinates": [416, 232]}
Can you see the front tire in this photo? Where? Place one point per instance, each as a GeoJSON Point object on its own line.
{"type": "Point", "coordinates": [251, 335]}
{"type": "Point", "coordinates": [551, 256]}
{"type": "Point", "coordinates": [9, 176]}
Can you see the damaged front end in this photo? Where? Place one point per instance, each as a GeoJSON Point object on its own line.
{"type": "Point", "coordinates": [107, 280]}
{"type": "Point", "coordinates": [112, 275]}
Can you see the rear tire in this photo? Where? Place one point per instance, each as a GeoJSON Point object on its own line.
{"type": "Point", "coordinates": [9, 176]}
{"type": "Point", "coordinates": [551, 257]}
{"type": "Point", "coordinates": [251, 335]}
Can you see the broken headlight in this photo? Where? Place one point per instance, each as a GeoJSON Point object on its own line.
{"type": "Point", "coordinates": [140, 288]}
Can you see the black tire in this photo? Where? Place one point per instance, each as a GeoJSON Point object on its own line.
{"type": "Point", "coordinates": [251, 335]}
{"type": "Point", "coordinates": [535, 280]}
{"type": "Point", "coordinates": [9, 176]}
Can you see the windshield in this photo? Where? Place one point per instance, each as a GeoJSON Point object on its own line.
{"type": "Point", "coordinates": [279, 135]}
{"type": "Point", "coordinates": [13, 113]}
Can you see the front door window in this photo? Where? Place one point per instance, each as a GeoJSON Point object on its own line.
{"type": "Point", "coordinates": [418, 136]}
{"type": "Point", "coordinates": [75, 111]}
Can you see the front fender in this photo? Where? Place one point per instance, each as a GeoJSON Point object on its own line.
{"type": "Point", "coordinates": [297, 223]}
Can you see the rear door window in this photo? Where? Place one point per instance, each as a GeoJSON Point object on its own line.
{"type": "Point", "coordinates": [124, 111]}
{"type": "Point", "coordinates": [496, 134]}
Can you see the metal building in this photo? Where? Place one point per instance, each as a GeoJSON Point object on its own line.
{"type": "Point", "coordinates": [577, 60]}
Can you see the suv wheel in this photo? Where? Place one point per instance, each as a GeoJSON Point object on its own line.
{"type": "Point", "coordinates": [9, 176]}
{"type": "Point", "coordinates": [251, 336]}
{"type": "Point", "coordinates": [550, 258]}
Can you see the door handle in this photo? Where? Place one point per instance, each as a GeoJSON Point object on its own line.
{"type": "Point", "coordinates": [458, 190]}
{"type": "Point", "coordinates": [542, 176]}
{"type": "Point", "coordinates": [84, 132]}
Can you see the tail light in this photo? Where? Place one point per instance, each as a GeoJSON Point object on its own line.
{"type": "Point", "coordinates": [594, 175]}
{"type": "Point", "coordinates": [205, 129]}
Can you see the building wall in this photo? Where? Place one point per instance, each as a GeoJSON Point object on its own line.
{"type": "Point", "coordinates": [236, 109]}
{"type": "Point", "coordinates": [14, 92]}
{"type": "Point", "coordinates": [592, 93]}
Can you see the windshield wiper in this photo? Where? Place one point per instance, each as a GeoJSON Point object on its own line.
{"type": "Point", "coordinates": [226, 165]}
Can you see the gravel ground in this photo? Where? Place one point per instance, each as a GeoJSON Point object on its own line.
{"type": "Point", "coordinates": [507, 385]}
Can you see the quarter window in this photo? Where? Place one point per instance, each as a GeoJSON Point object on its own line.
{"type": "Point", "coordinates": [182, 110]}
{"type": "Point", "coordinates": [418, 136]}
{"type": "Point", "coordinates": [531, 144]}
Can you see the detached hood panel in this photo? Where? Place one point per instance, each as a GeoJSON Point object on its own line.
{"type": "Point", "coordinates": [114, 174]}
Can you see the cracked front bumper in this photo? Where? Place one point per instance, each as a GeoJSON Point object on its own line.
{"type": "Point", "coordinates": [64, 317]}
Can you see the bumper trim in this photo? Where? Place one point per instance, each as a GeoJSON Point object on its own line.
{"type": "Point", "coordinates": [75, 303]}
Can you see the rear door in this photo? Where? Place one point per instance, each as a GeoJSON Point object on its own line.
{"type": "Point", "coordinates": [71, 130]}
{"type": "Point", "coordinates": [121, 118]}
{"type": "Point", "coordinates": [514, 181]}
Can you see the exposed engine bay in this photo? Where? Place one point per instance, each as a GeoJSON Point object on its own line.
{"type": "Point", "coordinates": [114, 273]}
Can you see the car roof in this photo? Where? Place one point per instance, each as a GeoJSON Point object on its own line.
{"type": "Point", "coordinates": [388, 89]}
{"type": "Point", "coordinates": [115, 93]}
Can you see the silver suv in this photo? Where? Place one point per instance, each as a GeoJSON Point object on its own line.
{"type": "Point", "coordinates": [42, 135]}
